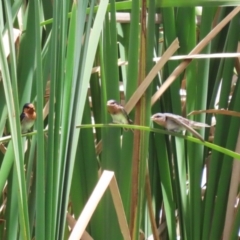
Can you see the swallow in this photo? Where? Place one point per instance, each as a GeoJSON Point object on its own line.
{"type": "Point", "coordinates": [178, 123]}
{"type": "Point", "coordinates": [118, 113]}
{"type": "Point", "coordinates": [27, 117]}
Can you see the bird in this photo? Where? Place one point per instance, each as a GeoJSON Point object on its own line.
{"type": "Point", "coordinates": [176, 123]}
{"type": "Point", "coordinates": [27, 117]}
{"type": "Point", "coordinates": [118, 113]}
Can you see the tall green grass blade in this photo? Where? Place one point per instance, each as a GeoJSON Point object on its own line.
{"type": "Point", "coordinates": [111, 138]}
{"type": "Point", "coordinates": [170, 33]}
{"type": "Point", "coordinates": [57, 49]}
{"type": "Point", "coordinates": [11, 216]}
{"type": "Point", "coordinates": [11, 94]}
{"type": "Point", "coordinates": [226, 168]}
{"type": "Point", "coordinates": [79, 98]}
{"type": "Point", "coordinates": [201, 103]}
{"type": "Point", "coordinates": [130, 86]}
{"type": "Point", "coordinates": [40, 167]}
{"type": "Point", "coordinates": [219, 137]}
{"type": "Point", "coordinates": [85, 175]}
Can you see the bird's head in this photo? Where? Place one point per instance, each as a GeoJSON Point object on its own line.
{"type": "Point", "coordinates": [29, 108]}
{"type": "Point", "coordinates": [159, 118]}
{"type": "Point", "coordinates": [112, 106]}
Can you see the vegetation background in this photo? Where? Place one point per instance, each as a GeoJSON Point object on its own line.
{"type": "Point", "coordinates": [69, 58]}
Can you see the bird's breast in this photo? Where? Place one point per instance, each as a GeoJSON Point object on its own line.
{"type": "Point", "coordinates": [173, 126]}
{"type": "Point", "coordinates": [26, 124]}
{"type": "Point", "coordinates": [119, 118]}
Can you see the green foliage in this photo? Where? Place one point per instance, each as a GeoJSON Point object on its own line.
{"type": "Point", "coordinates": [49, 174]}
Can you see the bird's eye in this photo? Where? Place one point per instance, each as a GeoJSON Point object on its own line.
{"type": "Point", "coordinates": [160, 117]}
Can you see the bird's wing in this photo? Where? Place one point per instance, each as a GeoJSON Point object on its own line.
{"type": "Point", "coordinates": [22, 116]}
{"type": "Point", "coordinates": [182, 123]}
{"type": "Point", "coordinates": [125, 113]}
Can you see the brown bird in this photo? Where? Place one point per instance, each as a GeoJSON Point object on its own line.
{"type": "Point", "coordinates": [27, 117]}
{"type": "Point", "coordinates": [178, 123]}
{"type": "Point", "coordinates": [118, 113]}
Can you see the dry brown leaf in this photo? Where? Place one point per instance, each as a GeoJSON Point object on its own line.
{"type": "Point", "coordinates": [151, 75]}
{"type": "Point", "coordinates": [106, 180]}
{"type": "Point", "coordinates": [216, 111]}
{"type": "Point", "coordinates": [182, 66]}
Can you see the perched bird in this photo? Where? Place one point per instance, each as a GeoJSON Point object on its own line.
{"type": "Point", "coordinates": [118, 113]}
{"type": "Point", "coordinates": [27, 117]}
{"type": "Point", "coordinates": [178, 123]}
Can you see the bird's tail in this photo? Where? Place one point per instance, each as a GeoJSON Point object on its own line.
{"type": "Point", "coordinates": [198, 125]}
